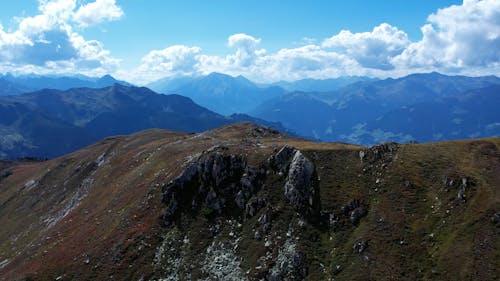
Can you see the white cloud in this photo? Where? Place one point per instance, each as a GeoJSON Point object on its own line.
{"type": "Point", "coordinates": [47, 43]}
{"type": "Point", "coordinates": [461, 39]}
{"type": "Point", "coordinates": [246, 49]}
{"type": "Point", "coordinates": [458, 37]}
{"type": "Point", "coordinates": [177, 60]}
{"type": "Point", "coordinates": [373, 49]}
{"type": "Point", "coordinates": [97, 12]}
{"type": "Point", "coordinates": [306, 61]}
{"type": "Point", "coordinates": [248, 60]}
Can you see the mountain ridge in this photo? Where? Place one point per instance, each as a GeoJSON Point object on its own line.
{"type": "Point", "coordinates": [246, 202]}
{"type": "Point", "coordinates": [346, 112]}
{"type": "Point", "coordinates": [14, 85]}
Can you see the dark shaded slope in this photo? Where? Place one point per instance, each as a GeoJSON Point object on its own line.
{"type": "Point", "coordinates": [28, 133]}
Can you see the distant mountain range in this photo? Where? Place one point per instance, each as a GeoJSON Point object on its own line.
{"type": "Point", "coordinates": [14, 85]}
{"type": "Point", "coordinates": [321, 85]}
{"type": "Point", "coordinates": [420, 107]}
{"type": "Point", "coordinates": [219, 92]}
{"type": "Point", "coordinates": [50, 123]}
{"type": "Point", "coordinates": [226, 94]}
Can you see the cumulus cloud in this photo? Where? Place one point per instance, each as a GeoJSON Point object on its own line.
{"type": "Point", "coordinates": [306, 61]}
{"type": "Point", "coordinates": [47, 43]}
{"type": "Point", "coordinates": [177, 60]}
{"type": "Point", "coordinates": [247, 60]}
{"type": "Point", "coordinates": [457, 37]}
{"type": "Point", "coordinates": [246, 49]}
{"type": "Point", "coordinates": [373, 49]}
{"type": "Point", "coordinates": [97, 12]}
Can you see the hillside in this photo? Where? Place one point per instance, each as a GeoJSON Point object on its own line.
{"type": "Point", "coordinates": [243, 202]}
{"type": "Point", "coordinates": [50, 123]}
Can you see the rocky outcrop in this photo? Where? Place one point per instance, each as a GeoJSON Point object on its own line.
{"type": "Point", "coordinates": [384, 152]}
{"type": "Point", "coordinates": [226, 183]}
{"type": "Point", "coordinates": [281, 160]}
{"type": "Point", "coordinates": [301, 187]}
{"type": "Point", "coordinates": [216, 181]}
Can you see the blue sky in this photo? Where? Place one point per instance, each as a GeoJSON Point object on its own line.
{"type": "Point", "coordinates": [266, 40]}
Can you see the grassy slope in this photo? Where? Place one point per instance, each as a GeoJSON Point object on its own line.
{"type": "Point", "coordinates": [419, 231]}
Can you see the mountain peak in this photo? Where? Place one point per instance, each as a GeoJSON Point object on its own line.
{"type": "Point", "coordinates": [218, 75]}
{"type": "Point", "coordinates": [107, 77]}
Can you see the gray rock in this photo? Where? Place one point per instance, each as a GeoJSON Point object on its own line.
{"type": "Point", "coordinates": [461, 194]}
{"type": "Point", "coordinates": [361, 155]}
{"type": "Point", "coordinates": [357, 214]}
{"type": "Point", "coordinates": [240, 199]}
{"type": "Point", "coordinates": [384, 152]}
{"type": "Point", "coordinates": [213, 179]}
{"type": "Point", "coordinates": [360, 246]}
{"type": "Point", "coordinates": [254, 205]}
{"type": "Point", "coordinates": [495, 219]}
{"type": "Point", "coordinates": [300, 187]}
{"type": "Point", "coordinates": [289, 264]}
{"type": "Point", "coordinates": [336, 269]}
{"type": "Point", "coordinates": [282, 159]}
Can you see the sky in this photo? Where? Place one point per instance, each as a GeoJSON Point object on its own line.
{"type": "Point", "coordinates": [264, 40]}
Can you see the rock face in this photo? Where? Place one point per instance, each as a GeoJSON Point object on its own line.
{"type": "Point", "coordinates": [226, 189]}
{"type": "Point", "coordinates": [281, 160]}
{"type": "Point", "coordinates": [301, 187]}
{"type": "Point", "coordinates": [217, 181]}
{"type": "Point", "coordinates": [214, 181]}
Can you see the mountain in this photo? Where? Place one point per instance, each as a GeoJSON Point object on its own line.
{"type": "Point", "coordinates": [373, 112]}
{"type": "Point", "coordinates": [50, 123]}
{"type": "Point", "coordinates": [247, 203]}
{"type": "Point", "coordinates": [320, 85]}
{"type": "Point", "coordinates": [14, 85]}
{"type": "Point", "coordinates": [407, 90]}
{"type": "Point", "coordinates": [469, 115]}
{"type": "Point", "coordinates": [31, 133]}
{"type": "Point", "coordinates": [8, 87]}
{"type": "Point", "coordinates": [218, 92]}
